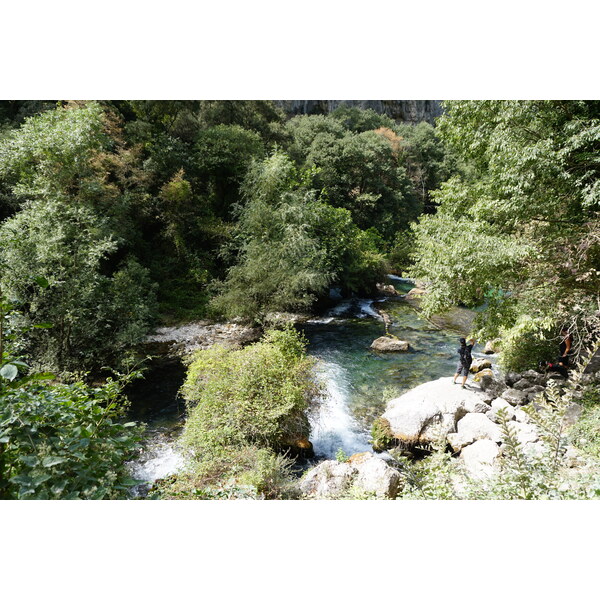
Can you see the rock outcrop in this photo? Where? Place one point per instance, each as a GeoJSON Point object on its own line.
{"type": "Point", "coordinates": [389, 344]}
{"type": "Point", "coordinates": [479, 364]}
{"type": "Point", "coordinates": [410, 111]}
{"type": "Point", "coordinates": [184, 339]}
{"type": "Point", "coordinates": [363, 473]}
{"type": "Point", "coordinates": [429, 412]}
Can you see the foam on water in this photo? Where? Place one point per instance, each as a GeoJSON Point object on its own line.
{"type": "Point", "coordinates": [159, 459]}
{"type": "Point", "coordinates": [333, 427]}
{"type": "Point", "coordinates": [358, 308]}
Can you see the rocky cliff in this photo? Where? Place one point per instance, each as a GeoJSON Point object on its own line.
{"type": "Point", "coordinates": [410, 111]}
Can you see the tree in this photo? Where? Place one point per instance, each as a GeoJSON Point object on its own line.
{"type": "Point", "coordinates": [97, 314]}
{"type": "Point", "coordinates": [292, 246]}
{"type": "Point", "coordinates": [532, 192]}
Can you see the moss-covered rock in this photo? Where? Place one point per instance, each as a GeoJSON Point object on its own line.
{"type": "Point", "coordinates": [382, 435]}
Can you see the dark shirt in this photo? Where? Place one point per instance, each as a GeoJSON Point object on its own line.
{"type": "Point", "coordinates": [465, 354]}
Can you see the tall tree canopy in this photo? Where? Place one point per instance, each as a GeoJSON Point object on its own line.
{"type": "Point", "coordinates": [520, 229]}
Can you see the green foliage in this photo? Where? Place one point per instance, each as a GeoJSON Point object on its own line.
{"type": "Point", "coordinates": [261, 116]}
{"type": "Point", "coordinates": [523, 219]}
{"type": "Point", "coordinates": [50, 152]}
{"type": "Point", "coordinates": [359, 120]}
{"type": "Point", "coordinates": [341, 456]}
{"type": "Point", "coordinates": [361, 173]}
{"type": "Point", "coordinates": [257, 395]}
{"type": "Point", "coordinates": [64, 442]}
{"type": "Point", "coordinates": [270, 475]}
{"type": "Point", "coordinates": [96, 315]}
{"type": "Point", "coordinates": [244, 406]}
{"type": "Point", "coordinates": [585, 434]}
{"type": "Point", "coordinates": [223, 154]}
{"type": "Point", "coordinates": [249, 473]}
{"type": "Point", "coordinates": [292, 246]}
{"type": "Point", "coordinates": [381, 434]}
{"type": "Point", "coordinates": [526, 342]}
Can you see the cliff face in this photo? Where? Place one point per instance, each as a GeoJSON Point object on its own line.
{"type": "Point", "coordinates": [410, 111]}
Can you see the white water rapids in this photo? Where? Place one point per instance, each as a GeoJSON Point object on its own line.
{"type": "Point", "coordinates": [333, 427]}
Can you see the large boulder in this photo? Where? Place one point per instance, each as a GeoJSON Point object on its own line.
{"type": "Point", "coordinates": [429, 412]}
{"type": "Point", "coordinates": [363, 472]}
{"type": "Point", "coordinates": [375, 475]}
{"type": "Point", "coordinates": [473, 427]}
{"type": "Point", "coordinates": [480, 458]}
{"type": "Point", "coordinates": [492, 346]}
{"type": "Point", "coordinates": [389, 344]}
{"type": "Point", "coordinates": [489, 384]}
{"type": "Point", "coordinates": [328, 479]}
{"type": "Point", "coordinates": [479, 364]}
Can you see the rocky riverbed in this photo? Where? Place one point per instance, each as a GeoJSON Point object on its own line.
{"type": "Point", "coordinates": [464, 420]}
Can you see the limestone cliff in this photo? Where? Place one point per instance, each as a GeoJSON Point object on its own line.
{"type": "Point", "coordinates": [410, 111]}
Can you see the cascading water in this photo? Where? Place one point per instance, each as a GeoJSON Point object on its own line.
{"type": "Point", "coordinates": [357, 380]}
{"type": "Point", "coordinates": [159, 459]}
{"type": "Point", "coordinates": [333, 427]}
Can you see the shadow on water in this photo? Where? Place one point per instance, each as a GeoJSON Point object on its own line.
{"type": "Point", "coordinates": [156, 402]}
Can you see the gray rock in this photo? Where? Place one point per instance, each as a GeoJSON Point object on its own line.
{"type": "Point", "coordinates": [388, 344]}
{"type": "Point", "coordinates": [511, 378]}
{"type": "Point", "coordinates": [514, 397]}
{"type": "Point", "coordinates": [521, 415]}
{"type": "Point", "coordinates": [526, 432]}
{"type": "Point", "coordinates": [480, 458]}
{"type": "Point", "coordinates": [375, 475]}
{"type": "Point", "coordinates": [364, 472]}
{"type": "Point", "coordinates": [491, 386]}
{"type": "Point", "coordinates": [479, 364]}
{"type": "Point", "coordinates": [523, 384]}
{"type": "Point", "coordinates": [329, 479]}
{"type": "Point", "coordinates": [473, 427]}
{"type": "Point", "coordinates": [573, 414]}
{"type": "Point", "coordinates": [476, 405]}
{"type": "Point", "coordinates": [430, 411]}
{"type": "Point", "coordinates": [533, 391]}
{"type": "Point", "coordinates": [497, 405]}
{"type": "Point", "coordinates": [535, 377]}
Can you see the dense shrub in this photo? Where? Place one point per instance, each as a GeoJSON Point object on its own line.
{"type": "Point", "coordinates": [96, 314]}
{"type": "Point", "coordinates": [244, 406]}
{"type": "Point", "coordinates": [256, 395]}
{"type": "Point", "coordinates": [64, 442]}
{"type": "Point", "coordinates": [292, 246]}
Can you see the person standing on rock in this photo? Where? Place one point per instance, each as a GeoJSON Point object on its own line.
{"type": "Point", "coordinates": [465, 360]}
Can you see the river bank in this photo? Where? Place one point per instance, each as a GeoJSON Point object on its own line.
{"type": "Point", "coordinates": [359, 383]}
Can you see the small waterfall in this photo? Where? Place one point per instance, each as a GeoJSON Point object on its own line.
{"type": "Point", "coordinates": [159, 459]}
{"type": "Point", "coordinates": [333, 427]}
{"type": "Point", "coordinates": [357, 308]}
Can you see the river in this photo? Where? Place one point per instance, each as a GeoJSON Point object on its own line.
{"type": "Point", "coordinates": [358, 381]}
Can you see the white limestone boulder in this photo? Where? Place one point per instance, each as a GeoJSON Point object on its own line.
{"type": "Point", "coordinates": [389, 344]}
{"type": "Point", "coordinates": [328, 479]}
{"type": "Point", "coordinates": [429, 412]}
{"type": "Point", "coordinates": [480, 458]}
{"type": "Point", "coordinates": [473, 427]}
{"type": "Point", "coordinates": [479, 364]}
{"type": "Point", "coordinates": [364, 472]}
{"type": "Point", "coordinates": [375, 475]}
